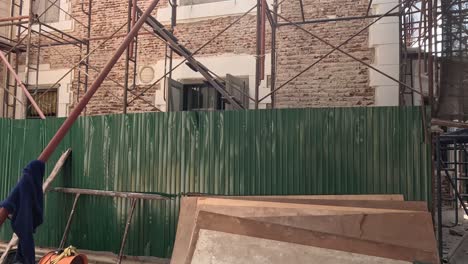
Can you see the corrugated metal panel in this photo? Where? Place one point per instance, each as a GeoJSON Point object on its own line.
{"type": "Point", "coordinates": [306, 151]}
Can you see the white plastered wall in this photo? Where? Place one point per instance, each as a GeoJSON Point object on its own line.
{"type": "Point", "coordinates": [65, 22]}
{"type": "Point", "coordinates": [236, 65]}
{"type": "Point", "coordinates": [385, 40]}
{"type": "Point", "coordinates": [4, 31]}
{"type": "Point", "coordinates": [49, 76]}
{"type": "Point", "coordinates": [197, 12]}
{"type": "Point", "coordinates": [4, 12]}
{"type": "Point", "coordinates": [424, 81]}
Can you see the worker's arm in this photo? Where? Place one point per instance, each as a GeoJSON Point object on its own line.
{"type": "Point", "coordinates": [3, 215]}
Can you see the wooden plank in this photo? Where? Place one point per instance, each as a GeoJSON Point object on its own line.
{"type": "Point", "coordinates": [45, 187]}
{"type": "Point", "coordinates": [267, 204]}
{"type": "Point", "coordinates": [185, 227]}
{"type": "Point", "coordinates": [190, 206]}
{"type": "Point", "coordinates": [369, 197]}
{"type": "Point", "coordinates": [377, 204]}
{"type": "Point", "coordinates": [252, 228]}
{"type": "Point", "coordinates": [57, 168]}
{"type": "Point", "coordinates": [412, 230]}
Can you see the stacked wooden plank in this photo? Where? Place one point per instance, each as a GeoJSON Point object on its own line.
{"type": "Point", "coordinates": [304, 229]}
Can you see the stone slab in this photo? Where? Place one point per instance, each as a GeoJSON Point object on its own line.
{"type": "Point", "coordinates": [215, 247]}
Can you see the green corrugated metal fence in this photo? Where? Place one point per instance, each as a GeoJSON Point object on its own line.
{"type": "Point", "coordinates": [290, 151]}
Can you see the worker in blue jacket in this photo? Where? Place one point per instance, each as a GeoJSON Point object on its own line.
{"type": "Point", "coordinates": [25, 208]}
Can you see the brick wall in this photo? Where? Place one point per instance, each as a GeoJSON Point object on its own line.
{"type": "Point", "coordinates": [336, 81]}
{"type": "Point", "coordinates": [237, 40]}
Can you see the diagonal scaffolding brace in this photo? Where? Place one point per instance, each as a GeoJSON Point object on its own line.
{"type": "Point", "coordinates": [338, 48]}
{"type": "Point", "coordinates": [26, 92]}
{"type": "Point", "coordinates": [195, 65]}
{"type": "Point", "coordinates": [63, 130]}
{"type": "Point", "coordinates": [195, 52]}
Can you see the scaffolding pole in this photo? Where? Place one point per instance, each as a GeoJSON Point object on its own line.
{"type": "Point", "coordinates": [274, 29]}
{"type": "Point", "coordinates": [32, 37]}
{"type": "Point", "coordinates": [263, 12]}
{"type": "Point", "coordinates": [260, 57]}
{"type": "Point", "coordinates": [337, 48]}
{"type": "Point", "coordinates": [194, 53]}
{"type": "Point", "coordinates": [25, 90]}
{"type": "Point", "coordinates": [127, 56]}
{"type": "Point", "coordinates": [63, 130]}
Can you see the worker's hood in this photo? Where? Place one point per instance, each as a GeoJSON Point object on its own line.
{"type": "Point", "coordinates": [34, 173]}
{"type": "Point", "coordinates": [26, 199]}
{"type": "Point", "coordinates": [26, 206]}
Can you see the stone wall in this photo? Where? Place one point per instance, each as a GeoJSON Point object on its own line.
{"type": "Point", "coordinates": [337, 80]}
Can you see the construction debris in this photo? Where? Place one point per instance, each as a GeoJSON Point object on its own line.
{"type": "Point", "coordinates": [288, 229]}
{"type": "Point", "coordinates": [456, 232]}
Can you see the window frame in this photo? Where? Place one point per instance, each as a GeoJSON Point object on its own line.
{"type": "Point", "coordinates": [40, 90]}
{"type": "Point", "coordinates": [65, 23]}
{"type": "Point", "coordinates": [204, 91]}
{"type": "Point", "coordinates": [45, 4]}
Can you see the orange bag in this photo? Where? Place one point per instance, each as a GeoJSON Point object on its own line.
{"type": "Point", "coordinates": [77, 259]}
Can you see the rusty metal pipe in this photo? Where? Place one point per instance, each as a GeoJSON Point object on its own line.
{"type": "Point", "coordinates": [26, 92]}
{"type": "Point", "coordinates": [63, 130]}
{"type": "Point", "coordinates": [9, 24]}
{"type": "Point", "coordinates": [3, 19]}
{"type": "Point", "coordinates": [430, 60]}
{"type": "Point", "coordinates": [116, 36]}
{"type": "Point", "coordinates": [258, 52]}
{"type": "Point", "coordinates": [263, 39]}
{"type": "Point", "coordinates": [127, 227]}
{"type": "Point", "coordinates": [132, 23]}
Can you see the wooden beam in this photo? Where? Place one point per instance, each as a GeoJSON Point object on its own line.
{"type": "Point", "coordinates": [126, 195]}
{"type": "Point", "coordinates": [3, 19]}
{"type": "Point", "coordinates": [447, 123]}
{"type": "Point", "coordinates": [56, 170]}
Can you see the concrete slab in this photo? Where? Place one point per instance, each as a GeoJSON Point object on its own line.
{"type": "Point", "coordinates": [215, 247]}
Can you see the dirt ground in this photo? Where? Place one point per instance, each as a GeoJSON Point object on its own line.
{"type": "Point", "coordinates": [453, 232]}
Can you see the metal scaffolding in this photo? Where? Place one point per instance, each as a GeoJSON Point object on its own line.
{"type": "Point", "coordinates": [433, 35]}
{"type": "Point", "coordinates": [427, 35]}
{"type": "Point", "coordinates": [28, 35]}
